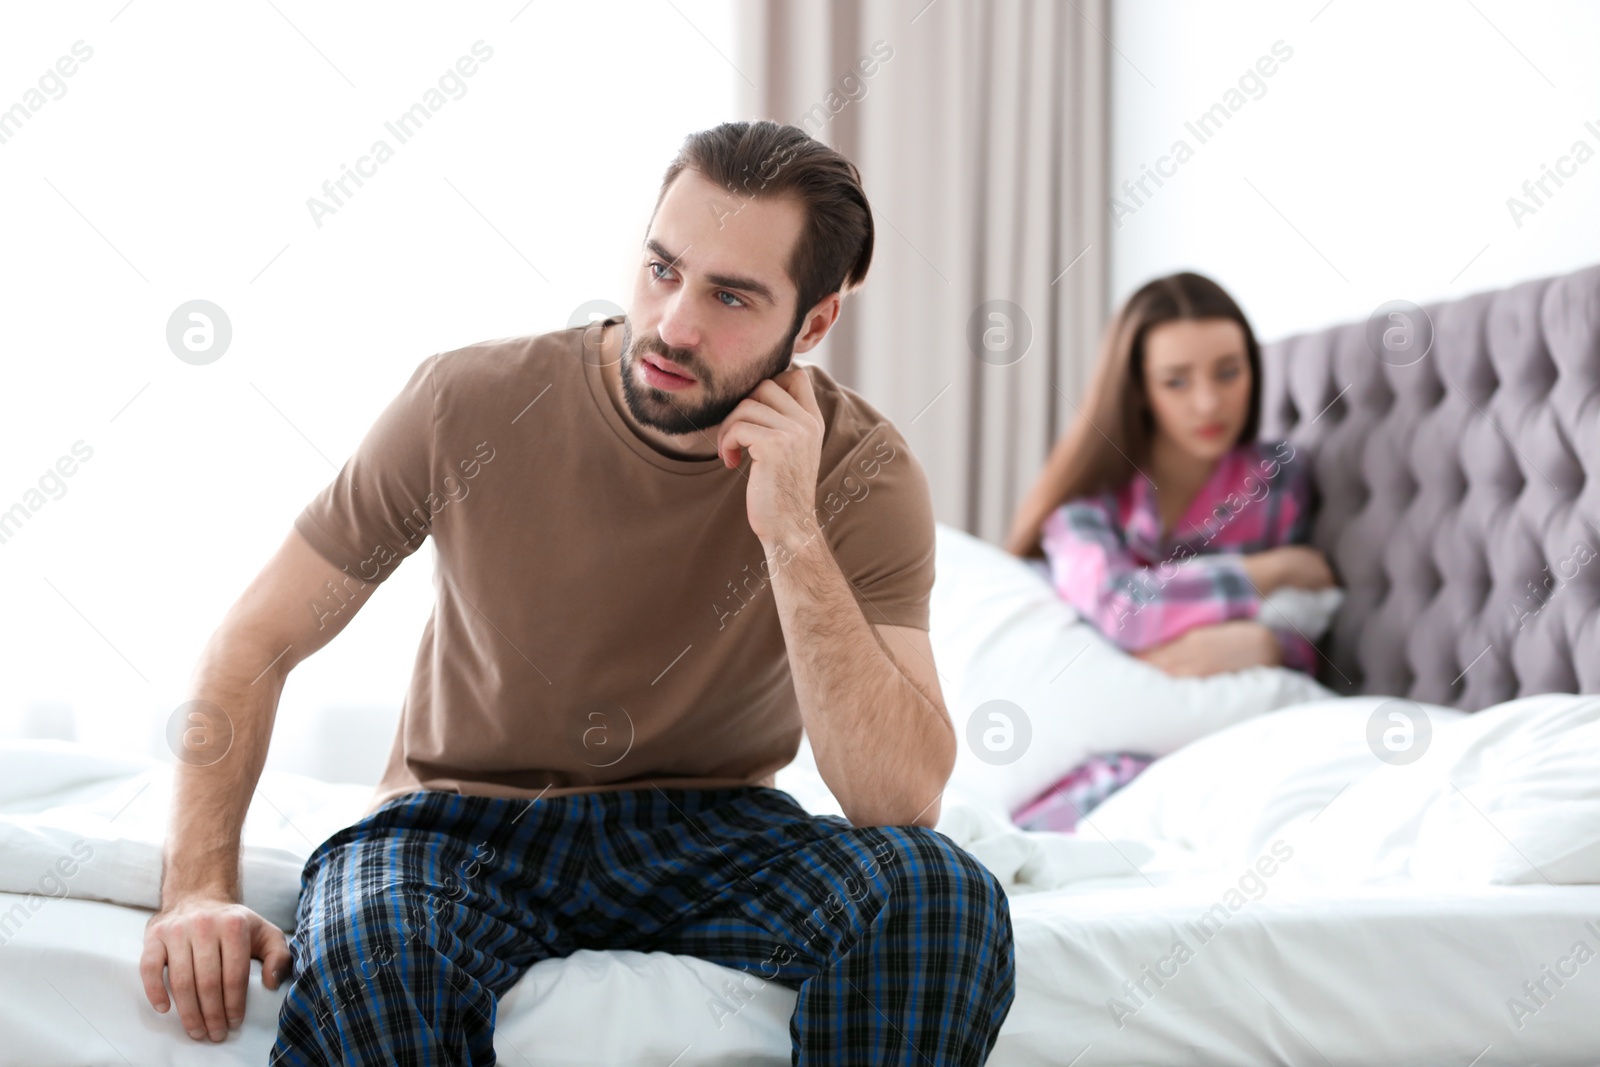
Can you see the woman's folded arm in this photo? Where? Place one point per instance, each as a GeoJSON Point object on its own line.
{"type": "Point", "coordinates": [1133, 605]}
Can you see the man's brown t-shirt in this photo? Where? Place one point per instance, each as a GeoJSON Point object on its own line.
{"type": "Point", "coordinates": [604, 616]}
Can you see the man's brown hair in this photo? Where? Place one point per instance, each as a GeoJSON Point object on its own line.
{"type": "Point", "coordinates": [762, 159]}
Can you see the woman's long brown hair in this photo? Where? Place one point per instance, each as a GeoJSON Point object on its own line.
{"type": "Point", "coordinates": [1109, 442]}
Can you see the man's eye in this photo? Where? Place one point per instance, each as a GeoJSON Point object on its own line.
{"type": "Point", "coordinates": [1228, 374]}
{"type": "Point", "coordinates": [653, 266]}
{"type": "Point", "coordinates": [736, 301]}
{"type": "Point", "coordinates": [1176, 383]}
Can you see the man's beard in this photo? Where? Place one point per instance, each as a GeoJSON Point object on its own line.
{"type": "Point", "coordinates": [662, 410]}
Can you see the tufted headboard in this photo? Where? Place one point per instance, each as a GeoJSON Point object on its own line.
{"type": "Point", "coordinates": [1458, 484]}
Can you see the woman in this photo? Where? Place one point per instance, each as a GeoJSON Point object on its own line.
{"type": "Point", "coordinates": [1161, 518]}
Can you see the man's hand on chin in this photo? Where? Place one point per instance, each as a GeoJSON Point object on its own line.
{"type": "Point", "coordinates": [782, 427]}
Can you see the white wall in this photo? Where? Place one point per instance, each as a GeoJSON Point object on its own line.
{"type": "Point", "coordinates": [176, 165]}
{"type": "Point", "coordinates": [1378, 161]}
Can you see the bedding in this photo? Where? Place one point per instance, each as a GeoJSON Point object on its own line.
{"type": "Point", "coordinates": [80, 835]}
{"type": "Point", "coordinates": [1198, 925]}
{"type": "Point", "coordinates": [89, 825]}
{"type": "Point", "coordinates": [1034, 689]}
{"type": "Point", "coordinates": [1506, 796]}
{"type": "Point", "coordinates": [1256, 778]}
{"type": "Point", "coordinates": [74, 821]}
{"type": "Point", "coordinates": [1393, 976]}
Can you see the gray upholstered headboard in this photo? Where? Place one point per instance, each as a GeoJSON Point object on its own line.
{"type": "Point", "coordinates": [1459, 492]}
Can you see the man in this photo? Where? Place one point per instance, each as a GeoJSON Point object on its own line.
{"type": "Point", "coordinates": [664, 550]}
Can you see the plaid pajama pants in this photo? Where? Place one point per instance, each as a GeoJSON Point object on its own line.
{"type": "Point", "coordinates": [416, 919]}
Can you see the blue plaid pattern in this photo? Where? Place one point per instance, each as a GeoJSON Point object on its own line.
{"type": "Point", "coordinates": [416, 919]}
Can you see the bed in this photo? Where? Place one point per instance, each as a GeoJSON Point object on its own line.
{"type": "Point", "coordinates": [1282, 886]}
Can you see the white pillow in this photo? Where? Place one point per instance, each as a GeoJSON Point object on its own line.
{"type": "Point", "coordinates": [1034, 690]}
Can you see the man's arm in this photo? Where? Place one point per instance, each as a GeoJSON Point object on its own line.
{"type": "Point", "coordinates": [884, 744]}
{"type": "Point", "coordinates": [869, 695]}
{"type": "Point", "coordinates": [202, 935]}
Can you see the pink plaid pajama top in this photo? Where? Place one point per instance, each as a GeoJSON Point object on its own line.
{"type": "Point", "coordinates": [1108, 558]}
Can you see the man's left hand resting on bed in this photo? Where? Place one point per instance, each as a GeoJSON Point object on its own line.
{"type": "Point", "coordinates": [203, 938]}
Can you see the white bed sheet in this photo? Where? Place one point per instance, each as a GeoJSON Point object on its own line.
{"type": "Point", "coordinates": [1399, 977]}
{"type": "Point", "coordinates": [1308, 973]}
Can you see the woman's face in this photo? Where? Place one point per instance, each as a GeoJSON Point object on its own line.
{"type": "Point", "coordinates": [1197, 378]}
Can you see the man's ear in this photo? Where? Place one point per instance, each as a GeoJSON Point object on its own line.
{"type": "Point", "coordinates": [818, 321]}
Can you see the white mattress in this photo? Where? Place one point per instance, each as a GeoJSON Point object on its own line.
{"type": "Point", "coordinates": [1398, 978]}
{"type": "Point", "coordinates": [1402, 977]}
{"type": "Point", "coordinates": [70, 995]}
{"type": "Point", "coordinates": [1304, 972]}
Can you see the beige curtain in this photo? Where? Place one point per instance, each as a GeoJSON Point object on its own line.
{"type": "Point", "coordinates": [981, 134]}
